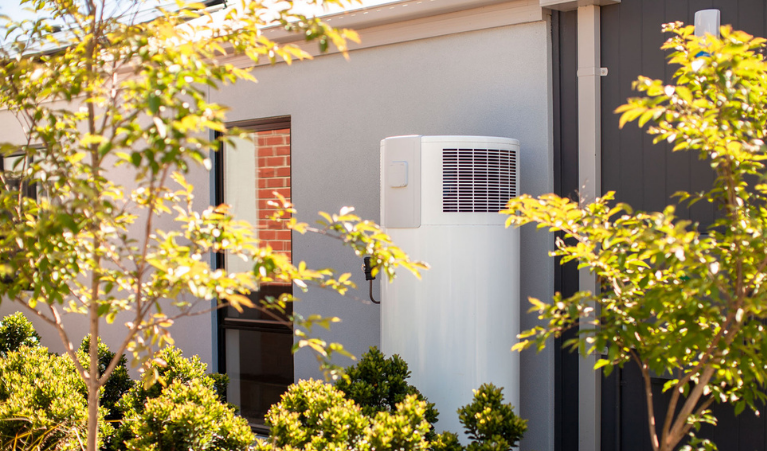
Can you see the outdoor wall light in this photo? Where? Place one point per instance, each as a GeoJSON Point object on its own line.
{"type": "Point", "coordinates": [707, 21]}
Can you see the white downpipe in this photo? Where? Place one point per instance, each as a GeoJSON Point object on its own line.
{"type": "Point", "coordinates": [589, 180]}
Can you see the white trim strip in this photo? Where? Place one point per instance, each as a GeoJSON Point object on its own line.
{"type": "Point", "coordinates": [590, 183]}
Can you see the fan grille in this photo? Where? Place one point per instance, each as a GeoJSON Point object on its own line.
{"type": "Point", "coordinates": [478, 180]}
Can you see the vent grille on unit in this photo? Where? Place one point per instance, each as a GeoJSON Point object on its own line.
{"type": "Point", "coordinates": [478, 180]}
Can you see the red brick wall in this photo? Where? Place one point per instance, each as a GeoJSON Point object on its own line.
{"type": "Point", "coordinates": [273, 174]}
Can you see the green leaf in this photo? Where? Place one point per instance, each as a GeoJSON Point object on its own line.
{"type": "Point", "coordinates": [153, 102]}
{"type": "Point", "coordinates": [601, 363]}
{"type": "Point", "coordinates": [739, 407]}
{"type": "Point", "coordinates": [135, 158]}
{"type": "Point", "coordinates": [67, 221]}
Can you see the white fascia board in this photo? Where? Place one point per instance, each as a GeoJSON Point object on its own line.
{"type": "Point", "coordinates": [416, 24]}
{"type": "Point", "coordinates": [388, 13]}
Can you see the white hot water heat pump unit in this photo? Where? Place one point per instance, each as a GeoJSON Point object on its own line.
{"type": "Point", "coordinates": [440, 197]}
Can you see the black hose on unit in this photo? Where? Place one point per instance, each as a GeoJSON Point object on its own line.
{"type": "Point", "coordinates": [369, 276]}
{"type": "Point", "coordinates": [371, 294]}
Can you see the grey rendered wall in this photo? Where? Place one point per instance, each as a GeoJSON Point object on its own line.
{"type": "Point", "coordinates": [193, 334]}
{"type": "Point", "coordinates": [493, 82]}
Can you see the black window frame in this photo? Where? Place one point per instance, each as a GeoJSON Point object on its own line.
{"type": "Point", "coordinates": [223, 321]}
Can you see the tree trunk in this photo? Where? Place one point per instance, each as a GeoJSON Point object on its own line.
{"type": "Point", "coordinates": [93, 373]}
{"type": "Point", "coordinates": [93, 415]}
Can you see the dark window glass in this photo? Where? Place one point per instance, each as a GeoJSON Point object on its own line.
{"type": "Point", "coordinates": [260, 368]}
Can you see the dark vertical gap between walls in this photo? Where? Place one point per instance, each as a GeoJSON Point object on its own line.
{"type": "Point", "coordinates": [565, 113]}
{"type": "Point", "coordinates": [557, 130]}
{"type": "Point", "coordinates": [218, 168]}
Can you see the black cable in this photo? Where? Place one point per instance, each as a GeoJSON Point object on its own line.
{"type": "Point", "coordinates": [369, 276]}
{"type": "Point", "coordinates": [371, 293]}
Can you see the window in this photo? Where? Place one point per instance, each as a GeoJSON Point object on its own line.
{"type": "Point", "coordinates": [255, 347]}
{"type": "Point", "coordinates": [11, 167]}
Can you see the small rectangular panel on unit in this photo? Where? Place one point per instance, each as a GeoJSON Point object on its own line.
{"type": "Point", "coordinates": [401, 181]}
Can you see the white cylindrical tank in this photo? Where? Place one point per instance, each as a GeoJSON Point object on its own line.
{"type": "Point", "coordinates": [440, 197]}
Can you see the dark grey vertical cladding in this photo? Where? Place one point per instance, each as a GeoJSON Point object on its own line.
{"type": "Point", "coordinates": [751, 431]}
{"type": "Point", "coordinates": [611, 411]}
{"type": "Point", "coordinates": [565, 89]}
{"type": "Point", "coordinates": [631, 183]}
{"type": "Point", "coordinates": [726, 433]}
{"type": "Point", "coordinates": [744, 432]}
{"type": "Point", "coordinates": [611, 92]}
{"type": "Point", "coordinates": [646, 175]}
{"type": "Point", "coordinates": [654, 187]}
{"type": "Point", "coordinates": [633, 411]}
{"type": "Point", "coordinates": [751, 16]}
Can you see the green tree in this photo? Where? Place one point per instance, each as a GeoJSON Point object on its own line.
{"type": "Point", "coordinates": [678, 298]}
{"type": "Point", "coordinates": [111, 93]}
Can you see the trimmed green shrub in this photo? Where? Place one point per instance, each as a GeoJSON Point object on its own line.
{"type": "Point", "coordinates": [177, 371]}
{"type": "Point", "coordinates": [315, 415]}
{"type": "Point", "coordinates": [394, 410]}
{"type": "Point", "coordinates": [446, 441]}
{"type": "Point", "coordinates": [17, 331]}
{"type": "Point", "coordinates": [176, 368]}
{"type": "Point", "coordinates": [378, 384]}
{"type": "Point", "coordinates": [403, 429]}
{"type": "Point", "coordinates": [187, 415]}
{"type": "Point", "coordinates": [220, 383]}
{"type": "Point", "coordinates": [119, 382]}
{"type": "Point", "coordinates": [491, 424]}
{"type": "Point", "coordinates": [42, 402]}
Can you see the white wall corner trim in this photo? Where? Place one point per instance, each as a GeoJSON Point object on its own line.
{"type": "Point", "coordinates": [589, 182]}
{"type": "Point", "coordinates": [417, 19]}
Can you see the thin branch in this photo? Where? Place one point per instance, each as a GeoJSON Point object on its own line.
{"type": "Point", "coordinates": [67, 342]}
{"type": "Point", "coordinates": [37, 313]}
{"type": "Point", "coordinates": [141, 262]}
{"type": "Point", "coordinates": [648, 398]}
